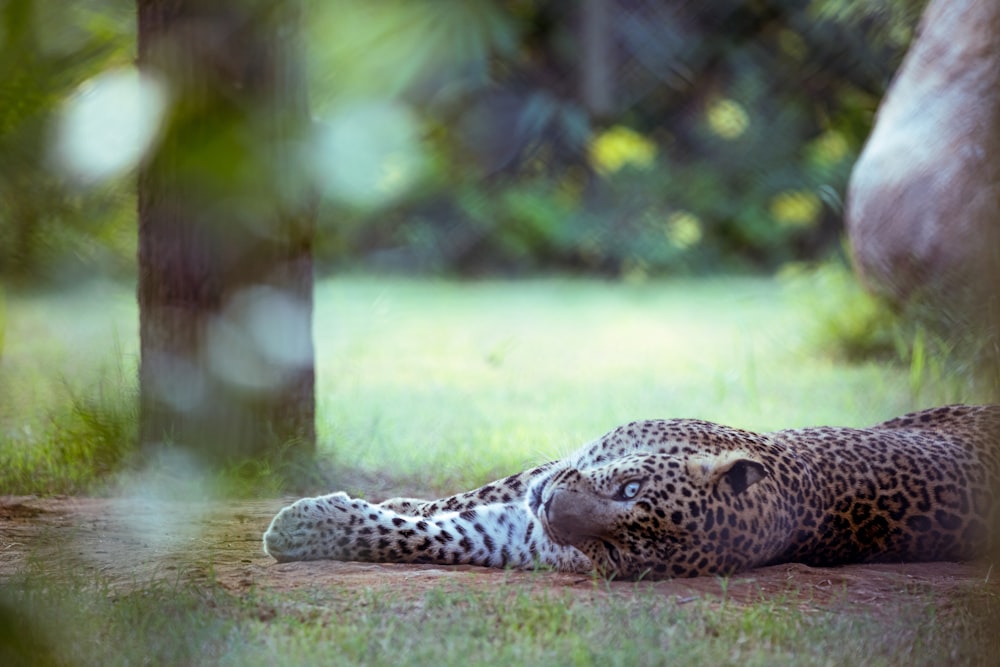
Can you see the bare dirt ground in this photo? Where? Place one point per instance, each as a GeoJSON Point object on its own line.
{"type": "Point", "coordinates": [127, 542]}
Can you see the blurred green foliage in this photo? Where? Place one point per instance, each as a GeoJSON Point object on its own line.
{"type": "Point", "coordinates": [48, 224]}
{"type": "Point", "coordinates": [728, 145]}
{"type": "Point", "coordinates": [456, 136]}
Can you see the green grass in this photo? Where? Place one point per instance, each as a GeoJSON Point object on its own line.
{"type": "Point", "coordinates": [442, 385]}
{"type": "Point", "coordinates": [460, 382]}
{"type": "Point", "coordinates": [447, 384]}
{"type": "Point", "coordinates": [183, 624]}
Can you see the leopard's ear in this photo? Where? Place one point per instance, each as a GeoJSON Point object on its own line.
{"type": "Point", "coordinates": [737, 469]}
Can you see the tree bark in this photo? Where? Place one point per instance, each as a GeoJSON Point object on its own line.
{"type": "Point", "coordinates": [923, 205]}
{"type": "Point", "coordinates": [225, 234]}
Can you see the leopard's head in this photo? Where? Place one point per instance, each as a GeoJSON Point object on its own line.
{"type": "Point", "coordinates": [657, 514]}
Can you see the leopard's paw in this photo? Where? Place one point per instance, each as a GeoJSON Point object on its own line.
{"type": "Point", "coordinates": [313, 529]}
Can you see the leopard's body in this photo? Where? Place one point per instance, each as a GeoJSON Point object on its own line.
{"type": "Point", "coordinates": [682, 497]}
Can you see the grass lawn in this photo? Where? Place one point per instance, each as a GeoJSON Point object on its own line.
{"type": "Point", "coordinates": [187, 625]}
{"type": "Point", "coordinates": [460, 382]}
{"type": "Point", "coordinates": [453, 383]}
{"type": "Point", "coordinates": [446, 385]}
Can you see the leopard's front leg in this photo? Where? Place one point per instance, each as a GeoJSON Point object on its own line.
{"type": "Point", "coordinates": [342, 528]}
{"type": "Point", "coordinates": [511, 489]}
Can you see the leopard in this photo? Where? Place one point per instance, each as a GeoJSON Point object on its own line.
{"type": "Point", "coordinates": [672, 498]}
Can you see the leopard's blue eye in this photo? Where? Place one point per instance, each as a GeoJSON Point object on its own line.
{"type": "Point", "coordinates": [630, 490]}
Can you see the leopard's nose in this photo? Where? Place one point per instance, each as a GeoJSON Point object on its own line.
{"type": "Point", "coordinates": [573, 517]}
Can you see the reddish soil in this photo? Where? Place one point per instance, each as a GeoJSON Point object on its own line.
{"type": "Point", "coordinates": [135, 541]}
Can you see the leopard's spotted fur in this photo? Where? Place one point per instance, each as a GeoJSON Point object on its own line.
{"type": "Point", "coordinates": [681, 497]}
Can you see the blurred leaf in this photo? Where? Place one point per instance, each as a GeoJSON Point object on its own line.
{"type": "Point", "coordinates": [899, 16]}
{"type": "Point", "coordinates": [50, 48]}
{"type": "Point", "coordinates": [536, 115]}
{"type": "Point", "coordinates": [391, 48]}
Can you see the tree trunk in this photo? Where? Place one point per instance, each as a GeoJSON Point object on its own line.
{"type": "Point", "coordinates": [597, 56]}
{"type": "Point", "coordinates": [225, 234]}
{"type": "Point", "coordinates": [923, 205]}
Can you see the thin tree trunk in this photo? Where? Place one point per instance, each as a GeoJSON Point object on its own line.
{"type": "Point", "coordinates": [225, 234]}
{"type": "Point", "coordinates": [597, 52]}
